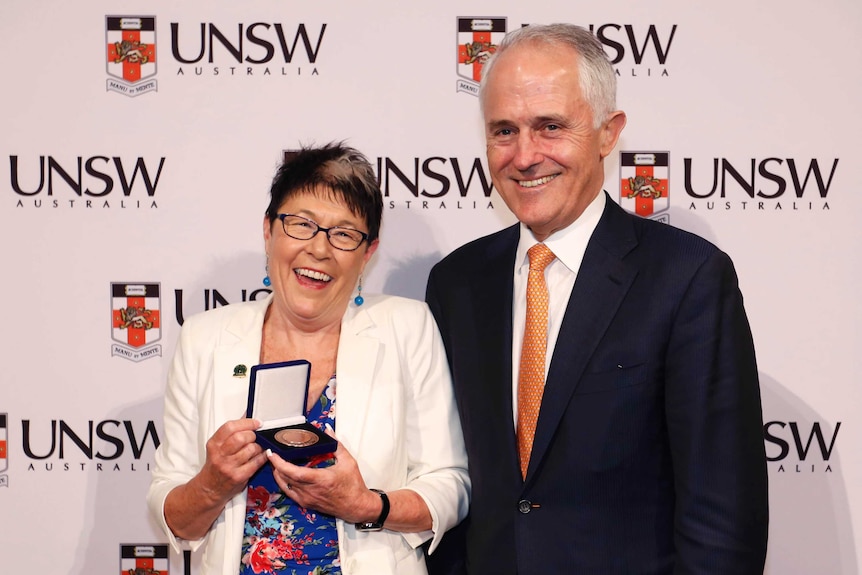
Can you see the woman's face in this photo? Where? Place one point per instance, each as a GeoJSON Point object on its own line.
{"type": "Point", "coordinates": [312, 281]}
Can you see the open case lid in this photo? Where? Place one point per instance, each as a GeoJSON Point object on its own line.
{"type": "Point", "coordinates": [277, 393]}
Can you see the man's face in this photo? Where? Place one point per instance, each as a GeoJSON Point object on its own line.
{"type": "Point", "coordinates": [544, 154]}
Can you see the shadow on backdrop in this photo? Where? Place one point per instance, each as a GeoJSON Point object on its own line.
{"type": "Point", "coordinates": [810, 528]}
{"type": "Point", "coordinates": [115, 506]}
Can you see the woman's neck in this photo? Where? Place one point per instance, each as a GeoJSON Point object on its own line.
{"type": "Point", "coordinates": [283, 341]}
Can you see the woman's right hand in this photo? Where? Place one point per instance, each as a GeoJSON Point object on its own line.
{"type": "Point", "coordinates": [232, 458]}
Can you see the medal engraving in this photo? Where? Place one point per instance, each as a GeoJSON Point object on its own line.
{"type": "Point", "coordinates": [296, 437]}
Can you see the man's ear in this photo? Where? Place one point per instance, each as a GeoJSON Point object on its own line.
{"type": "Point", "coordinates": [611, 131]}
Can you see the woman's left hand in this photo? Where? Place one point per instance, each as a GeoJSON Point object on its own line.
{"type": "Point", "coordinates": [337, 490]}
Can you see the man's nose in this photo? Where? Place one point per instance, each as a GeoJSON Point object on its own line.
{"type": "Point", "coordinates": [527, 151]}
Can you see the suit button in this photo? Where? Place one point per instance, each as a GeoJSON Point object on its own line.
{"type": "Point", "coordinates": [524, 506]}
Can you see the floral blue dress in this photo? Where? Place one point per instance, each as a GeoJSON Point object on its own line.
{"type": "Point", "coordinates": [281, 537]}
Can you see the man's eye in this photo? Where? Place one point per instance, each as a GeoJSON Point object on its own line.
{"type": "Point", "coordinates": [552, 127]}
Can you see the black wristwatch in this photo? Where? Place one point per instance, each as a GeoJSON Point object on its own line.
{"type": "Point", "coordinates": [384, 513]}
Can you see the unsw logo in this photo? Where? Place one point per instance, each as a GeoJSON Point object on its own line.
{"type": "Point", "coordinates": [136, 322]}
{"type": "Point", "coordinates": [97, 445]}
{"type": "Point", "coordinates": [645, 184]}
{"type": "Point", "coordinates": [85, 182]}
{"type": "Point", "coordinates": [244, 49]}
{"type": "Point", "coordinates": [131, 47]}
{"type": "Point", "coordinates": [759, 184]}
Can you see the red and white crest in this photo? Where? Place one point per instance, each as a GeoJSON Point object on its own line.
{"type": "Point", "coordinates": [144, 560]}
{"type": "Point", "coordinates": [4, 454]}
{"type": "Point", "coordinates": [645, 183]}
{"type": "Point", "coordinates": [131, 54]}
{"type": "Point", "coordinates": [136, 321]}
{"type": "Point", "coordinates": [477, 41]}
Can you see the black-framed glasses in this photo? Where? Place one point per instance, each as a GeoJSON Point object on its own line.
{"type": "Point", "coordinates": [341, 238]}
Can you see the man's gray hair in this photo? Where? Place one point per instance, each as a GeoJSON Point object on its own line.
{"type": "Point", "coordinates": [597, 77]}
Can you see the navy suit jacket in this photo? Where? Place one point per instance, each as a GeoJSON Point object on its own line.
{"type": "Point", "coordinates": [648, 454]}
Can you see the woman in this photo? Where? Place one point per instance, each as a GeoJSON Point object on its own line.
{"type": "Point", "coordinates": [397, 429]}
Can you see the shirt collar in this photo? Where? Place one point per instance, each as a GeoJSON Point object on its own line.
{"type": "Point", "coordinates": [569, 243]}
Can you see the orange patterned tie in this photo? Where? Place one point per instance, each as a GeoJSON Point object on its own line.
{"type": "Point", "coordinates": [531, 375]}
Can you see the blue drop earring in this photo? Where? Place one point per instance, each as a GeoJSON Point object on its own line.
{"type": "Point", "coordinates": [359, 300]}
{"type": "Point", "coordinates": [266, 281]}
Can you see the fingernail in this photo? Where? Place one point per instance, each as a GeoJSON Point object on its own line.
{"type": "Point", "coordinates": [269, 452]}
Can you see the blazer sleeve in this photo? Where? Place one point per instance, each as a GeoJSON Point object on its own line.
{"type": "Point", "coordinates": [179, 456]}
{"type": "Point", "coordinates": [715, 429]}
{"type": "Point", "coordinates": [437, 460]}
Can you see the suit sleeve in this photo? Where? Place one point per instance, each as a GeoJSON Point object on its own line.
{"type": "Point", "coordinates": [715, 429]}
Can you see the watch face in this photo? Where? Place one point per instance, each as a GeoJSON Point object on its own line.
{"type": "Point", "coordinates": [296, 437]}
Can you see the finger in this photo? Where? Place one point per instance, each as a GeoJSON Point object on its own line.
{"type": "Point", "coordinates": [235, 446]}
{"type": "Point", "coordinates": [241, 473]}
{"type": "Point", "coordinates": [251, 454]}
{"type": "Point", "coordinates": [284, 484]}
{"type": "Point", "coordinates": [254, 463]}
{"type": "Point", "coordinates": [251, 451]}
{"type": "Point", "coordinates": [234, 426]}
{"type": "Point", "coordinates": [241, 438]}
{"type": "Point", "coordinates": [293, 474]}
{"type": "Point", "coordinates": [244, 424]}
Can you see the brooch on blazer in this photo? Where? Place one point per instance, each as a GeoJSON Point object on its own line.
{"type": "Point", "coordinates": [240, 371]}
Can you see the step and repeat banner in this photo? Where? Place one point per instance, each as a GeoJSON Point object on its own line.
{"type": "Point", "coordinates": [138, 141]}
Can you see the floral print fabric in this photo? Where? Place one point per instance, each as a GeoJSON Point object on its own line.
{"type": "Point", "coordinates": [281, 537]}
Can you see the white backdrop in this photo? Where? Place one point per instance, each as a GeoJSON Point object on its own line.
{"type": "Point", "coordinates": [755, 105]}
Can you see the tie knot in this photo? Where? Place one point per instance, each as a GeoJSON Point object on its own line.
{"type": "Point", "coordinates": [540, 256]}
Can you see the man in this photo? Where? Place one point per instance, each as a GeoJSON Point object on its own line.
{"type": "Point", "coordinates": [645, 451]}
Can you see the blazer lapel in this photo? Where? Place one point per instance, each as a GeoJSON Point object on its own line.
{"type": "Point", "coordinates": [602, 283]}
{"type": "Point", "coordinates": [239, 346]}
{"type": "Point", "coordinates": [355, 367]}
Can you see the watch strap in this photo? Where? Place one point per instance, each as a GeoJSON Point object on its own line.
{"type": "Point", "coordinates": [384, 513]}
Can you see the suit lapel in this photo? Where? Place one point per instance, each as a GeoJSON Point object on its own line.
{"type": "Point", "coordinates": [602, 283]}
{"type": "Point", "coordinates": [494, 328]}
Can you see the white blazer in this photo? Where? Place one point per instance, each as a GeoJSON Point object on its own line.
{"type": "Point", "coordinates": [395, 414]}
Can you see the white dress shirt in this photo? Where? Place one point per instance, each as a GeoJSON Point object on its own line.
{"type": "Point", "coordinates": [569, 245]}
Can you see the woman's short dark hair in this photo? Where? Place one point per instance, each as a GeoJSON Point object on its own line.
{"type": "Point", "coordinates": [333, 168]}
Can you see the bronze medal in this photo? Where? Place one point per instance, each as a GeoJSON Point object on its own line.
{"type": "Point", "coordinates": [296, 437]}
